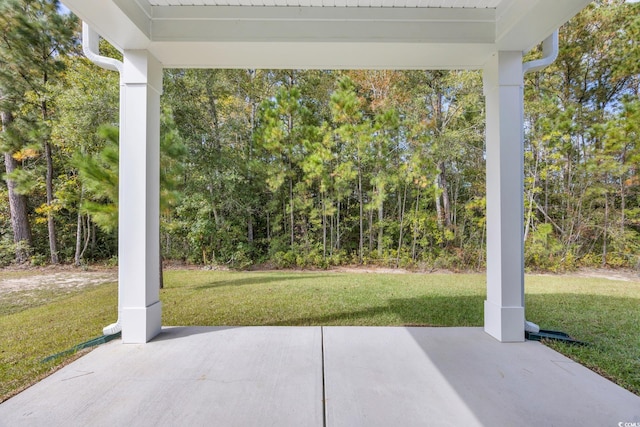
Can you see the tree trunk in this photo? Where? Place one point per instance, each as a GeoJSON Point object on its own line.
{"type": "Point", "coordinates": [291, 216]}
{"type": "Point", "coordinates": [77, 256]}
{"type": "Point", "coordinates": [380, 228]}
{"type": "Point", "coordinates": [17, 205]}
{"type": "Point", "coordinates": [415, 228]}
{"type": "Point", "coordinates": [83, 234]}
{"type": "Point", "coordinates": [324, 227]}
{"type": "Point", "coordinates": [361, 202]}
{"type": "Point", "coordinates": [92, 233]}
{"type": "Point", "coordinates": [250, 228]}
{"type": "Point", "coordinates": [252, 121]}
{"type": "Point", "coordinates": [51, 226]}
{"type": "Point", "coordinates": [529, 218]}
{"type": "Point", "coordinates": [623, 206]}
{"type": "Point", "coordinates": [402, 209]}
{"type": "Point", "coordinates": [605, 235]}
{"type": "Point", "coordinates": [437, 200]}
{"type": "Point", "coordinates": [446, 203]}
{"type": "Point", "coordinates": [338, 226]}
{"type": "Point", "coordinates": [18, 212]}
{"type": "Point", "coordinates": [370, 230]}
{"type": "Point", "coordinates": [268, 227]}
{"type": "Point", "coordinates": [290, 164]}
{"type": "Point", "coordinates": [331, 235]}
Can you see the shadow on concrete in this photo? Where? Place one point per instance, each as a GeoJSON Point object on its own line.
{"type": "Point", "coordinates": [534, 381]}
{"type": "Point", "coordinates": [177, 332]}
{"type": "Point", "coordinates": [463, 376]}
{"type": "Point", "coordinates": [541, 377]}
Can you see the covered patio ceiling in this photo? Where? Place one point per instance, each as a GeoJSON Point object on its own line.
{"type": "Point", "coordinates": [325, 34]}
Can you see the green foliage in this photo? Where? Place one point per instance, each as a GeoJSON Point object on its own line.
{"type": "Point", "coordinates": [306, 168]}
{"type": "Point", "coordinates": [7, 251]}
{"type": "Point", "coordinates": [99, 176]}
{"type": "Point", "coordinates": [543, 250]}
{"type": "Point", "coordinates": [581, 147]}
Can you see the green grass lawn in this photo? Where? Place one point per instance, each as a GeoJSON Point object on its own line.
{"type": "Point", "coordinates": [602, 312]}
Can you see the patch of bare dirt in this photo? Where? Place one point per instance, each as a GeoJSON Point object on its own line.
{"type": "Point", "coordinates": [57, 279]}
{"type": "Point", "coordinates": [69, 277]}
{"type": "Point", "coordinates": [603, 273]}
{"type": "Point", "coordinates": [626, 275]}
{"type": "Point", "coordinates": [370, 270]}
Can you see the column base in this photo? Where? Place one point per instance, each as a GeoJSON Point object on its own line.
{"type": "Point", "coordinates": [140, 325]}
{"type": "Point", "coordinates": [506, 324]}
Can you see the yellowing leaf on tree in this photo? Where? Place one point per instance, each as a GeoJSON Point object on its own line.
{"type": "Point", "coordinates": [25, 154]}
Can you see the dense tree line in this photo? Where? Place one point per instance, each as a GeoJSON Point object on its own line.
{"type": "Point", "coordinates": [319, 168]}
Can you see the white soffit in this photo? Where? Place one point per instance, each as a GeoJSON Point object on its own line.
{"type": "Point", "coordinates": [333, 3]}
{"type": "Point", "coordinates": [399, 34]}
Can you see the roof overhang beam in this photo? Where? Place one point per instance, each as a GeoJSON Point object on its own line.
{"type": "Point", "coordinates": [322, 24]}
{"type": "Point", "coordinates": [326, 56]}
{"type": "Point", "coordinates": [325, 37]}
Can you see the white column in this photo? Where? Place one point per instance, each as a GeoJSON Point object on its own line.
{"type": "Point", "coordinates": [504, 306]}
{"type": "Point", "coordinates": [139, 197]}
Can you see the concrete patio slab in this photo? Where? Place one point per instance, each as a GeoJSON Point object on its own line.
{"type": "Point", "coordinates": [185, 377]}
{"type": "Point", "coordinates": [461, 377]}
{"type": "Point", "coordinates": [329, 376]}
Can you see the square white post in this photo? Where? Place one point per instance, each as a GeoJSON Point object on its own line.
{"type": "Point", "coordinates": [504, 306]}
{"type": "Point", "coordinates": [139, 197]}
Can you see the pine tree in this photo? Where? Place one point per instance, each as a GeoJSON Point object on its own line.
{"type": "Point", "coordinates": [34, 38]}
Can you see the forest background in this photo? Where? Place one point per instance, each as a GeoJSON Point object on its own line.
{"type": "Point", "coordinates": [296, 168]}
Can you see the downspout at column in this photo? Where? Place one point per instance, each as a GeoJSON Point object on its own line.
{"type": "Point", "coordinates": [90, 42]}
{"type": "Point", "coordinates": [549, 55]}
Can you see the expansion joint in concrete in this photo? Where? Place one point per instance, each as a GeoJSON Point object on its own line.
{"type": "Point", "coordinates": [324, 389]}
